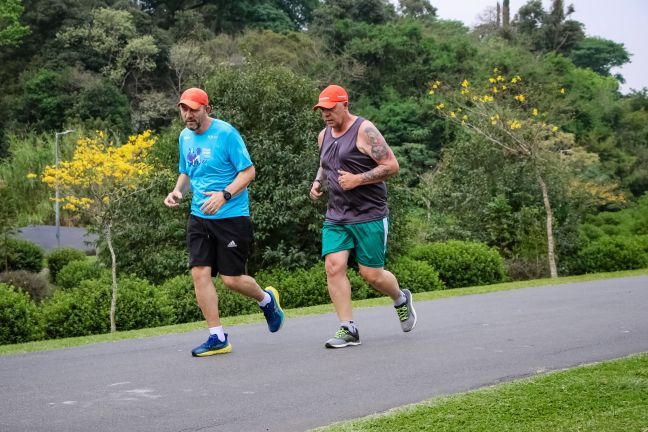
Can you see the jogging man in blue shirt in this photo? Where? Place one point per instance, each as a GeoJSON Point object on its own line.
{"type": "Point", "coordinates": [216, 166]}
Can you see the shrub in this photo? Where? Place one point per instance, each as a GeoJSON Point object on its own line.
{"type": "Point", "coordinates": [35, 284]}
{"type": "Point", "coordinates": [180, 292]}
{"type": "Point", "coordinates": [461, 263]}
{"type": "Point", "coordinates": [414, 275]}
{"type": "Point", "coordinates": [59, 258]}
{"type": "Point", "coordinates": [71, 275]}
{"type": "Point", "coordinates": [21, 255]}
{"type": "Point", "coordinates": [85, 310]}
{"type": "Point", "coordinates": [19, 317]}
{"type": "Point", "coordinates": [614, 253]}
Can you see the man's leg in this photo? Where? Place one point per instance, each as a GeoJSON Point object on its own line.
{"type": "Point", "coordinates": [245, 285]}
{"type": "Point", "coordinates": [207, 298]}
{"type": "Point", "coordinates": [268, 299]}
{"type": "Point", "coordinates": [382, 280]}
{"type": "Point", "coordinates": [206, 294]}
{"type": "Point", "coordinates": [339, 287]}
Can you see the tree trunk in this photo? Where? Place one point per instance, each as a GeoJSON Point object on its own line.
{"type": "Point", "coordinates": [113, 300]}
{"type": "Point", "coordinates": [551, 255]}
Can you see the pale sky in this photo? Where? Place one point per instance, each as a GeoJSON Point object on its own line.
{"type": "Point", "coordinates": [621, 21]}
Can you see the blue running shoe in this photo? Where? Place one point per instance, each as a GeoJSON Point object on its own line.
{"type": "Point", "coordinates": [273, 313]}
{"type": "Point", "coordinates": [213, 346]}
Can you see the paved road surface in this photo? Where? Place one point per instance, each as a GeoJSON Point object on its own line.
{"type": "Point", "coordinates": [289, 382]}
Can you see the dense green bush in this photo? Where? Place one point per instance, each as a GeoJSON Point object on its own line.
{"type": "Point", "coordinates": [180, 292]}
{"type": "Point", "coordinates": [18, 254]}
{"type": "Point", "coordinates": [414, 275]}
{"type": "Point", "coordinates": [71, 275]}
{"type": "Point", "coordinates": [85, 310]}
{"type": "Point", "coordinates": [60, 257]}
{"type": "Point", "coordinates": [19, 317]}
{"type": "Point", "coordinates": [461, 263]}
{"type": "Point", "coordinates": [614, 253]}
{"type": "Point", "coordinates": [34, 284]}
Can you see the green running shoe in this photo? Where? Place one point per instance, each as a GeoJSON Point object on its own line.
{"type": "Point", "coordinates": [343, 338]}
{"type": "Point", "coordinates": [406, 313]}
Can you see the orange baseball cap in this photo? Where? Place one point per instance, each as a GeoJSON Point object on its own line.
{"type": "Point", "coordinates": [194, 98]}
{"type": "Point", "coordinates": [330, 96]}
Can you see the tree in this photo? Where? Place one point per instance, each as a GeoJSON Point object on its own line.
{"type": "Point", "coordinates": [549, 30]}
{"type": "Point", "coordinates": [116, 48]}
{"type": "Point", "coordinates": [97, 177]}
{"type": "Point", "coordinates": [503, 113]}
{"type": "Point", "coordinates": [600, 55]}
{"type": "Point", "coordinates": [11, 31]}
{"type": "Point", "coordinates": [416, 8]}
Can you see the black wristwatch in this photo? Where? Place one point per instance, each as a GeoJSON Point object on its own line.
{"type": "Point", "coordinates": [227, 195]}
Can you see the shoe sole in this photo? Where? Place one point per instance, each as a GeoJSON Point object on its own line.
{"type": "Point", "coordinates": [413, 313]}
{"type": "Point", "coordinates": [275, 294]}
{"type": "Point", "coordinates": [224, 350]}
{"type": "Point", "coordinates": [346, 344]}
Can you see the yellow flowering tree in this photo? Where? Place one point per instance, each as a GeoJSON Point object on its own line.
{"type": "Point", "coordinates": [504, 111]}
{"type": "Point", "coordinates": [98, 175]}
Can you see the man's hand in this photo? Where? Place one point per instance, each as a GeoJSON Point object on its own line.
{"type": "Point", "coordinates": [316, 190]}
{"type": "Point", "coordinates": [173, 199]}
{"type": "Point", "coordinates": [348, 181]}
{"type": "Point", "coordinates": [213, 203]}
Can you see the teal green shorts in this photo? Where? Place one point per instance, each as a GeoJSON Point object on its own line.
{"type": "Point", "coordinates": [366, 240]}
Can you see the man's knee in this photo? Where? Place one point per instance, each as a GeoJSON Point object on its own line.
{"type": "Point", "coordinates": [231, 282]}
{"type": "Point", "coordinates": [371, 275]}
{"type": "Point", "coordinates": [335, 266]}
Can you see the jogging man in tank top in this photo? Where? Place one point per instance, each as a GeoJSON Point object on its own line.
{"type": "Point", "coordinates": [216, 166]}
{"type": "Point", "coordinates": [354, 162]}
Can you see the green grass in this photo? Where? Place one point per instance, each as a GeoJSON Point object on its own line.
{"type": "Point", "coordinates": [606, 397]}
{"type": "Point", "coordinates": [291, 313]}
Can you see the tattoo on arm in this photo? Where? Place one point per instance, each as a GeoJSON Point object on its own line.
{"type": "Point", "coordinates": [379, 148]}
{"type": "Point", "coordinates": [377, 174]}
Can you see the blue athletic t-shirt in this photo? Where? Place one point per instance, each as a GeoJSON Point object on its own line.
{"type": "Point", "coordinates": [212, 160]}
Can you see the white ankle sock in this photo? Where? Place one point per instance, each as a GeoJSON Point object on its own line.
{"type": "Point", "coordinates": [218, 331]}
{"type": "Point", "coordinates": [266, 299]}
{"type": "Point", "coordinates": [400, 300]}
{"type": "Point", "coordinates": [348, 324]}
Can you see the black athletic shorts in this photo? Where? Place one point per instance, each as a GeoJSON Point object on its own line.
{"type": "Point", "coordinates": [222, 244]}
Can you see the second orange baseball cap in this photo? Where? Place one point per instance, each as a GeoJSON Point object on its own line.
{"type": "Point", "coordinates": [194, 98]}
{"type": "Point", "coordinates": [330, 96]}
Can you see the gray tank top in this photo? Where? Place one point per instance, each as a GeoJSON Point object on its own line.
{"type": "Point", "coordinates": [363, 204]}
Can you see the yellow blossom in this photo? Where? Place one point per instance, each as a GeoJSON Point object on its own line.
{"type": "Point", "coordinates": [440, 106]}
{"type": "Point", "coordinates": [31, 176]}
{"type": "Point", "coordinates": [465, 84]}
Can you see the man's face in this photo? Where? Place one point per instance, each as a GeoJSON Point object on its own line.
{"type": "Point", "coordinates": [194, 119]}
{"type": "Point", "coordinates": [334, 117]}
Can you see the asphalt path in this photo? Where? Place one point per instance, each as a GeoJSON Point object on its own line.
{"type": "Point", "coordinates": [288, 381]}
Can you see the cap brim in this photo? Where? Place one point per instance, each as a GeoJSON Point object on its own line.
{"type": "Point", "coordinates": [191, 104]}
{"type": "Point", "coordinates": [327, 105]}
